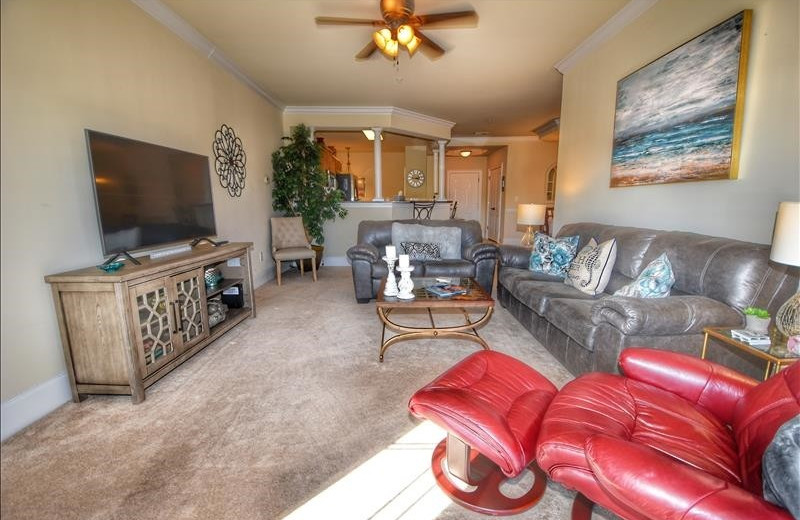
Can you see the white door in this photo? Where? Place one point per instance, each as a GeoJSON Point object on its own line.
{"type": "Point", "coordinates": [464, 186]}
{"type": "Point", "coordinates": [494, 203]}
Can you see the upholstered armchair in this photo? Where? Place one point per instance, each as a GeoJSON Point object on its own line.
{"type": "Point", "coordinates": [675, 437]}
{"type": "Point", "coordinates": [468, 256]}
{"type": "Point", "coordinates": [289, 242]}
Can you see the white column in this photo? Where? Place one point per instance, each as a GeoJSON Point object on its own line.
{"type": "Point", "coordinates": [436, 185]}
{"type": "Point", "coordinates": [442, 191]}
{"type": "Point", "coordinates": [378, 162]}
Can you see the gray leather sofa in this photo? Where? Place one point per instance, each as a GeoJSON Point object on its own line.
{"type": "Point", "coordinates": [715, 279]}
{"type": "Point", "coordinates": [478, 258]}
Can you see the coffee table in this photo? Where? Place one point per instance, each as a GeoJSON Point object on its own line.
{"type": "Point", "coordinates": [475, 298]}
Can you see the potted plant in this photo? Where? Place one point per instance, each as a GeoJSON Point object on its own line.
{"type": "Point", "coordinates": [756, 319]}
{"type": "Point", "coordinates": [300, 187]}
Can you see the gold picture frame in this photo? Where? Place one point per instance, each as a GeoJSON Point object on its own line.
{"type": "Point", "coordinates": [679, 118]}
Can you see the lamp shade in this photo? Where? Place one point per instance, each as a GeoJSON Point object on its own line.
{"type": "Point", "coordinates": [786, 237]}
{"type": "Point", "coordinates": [530, 214]}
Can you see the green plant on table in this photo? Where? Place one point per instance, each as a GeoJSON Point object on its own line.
{"type": "Point", "coordinates": [300, 187]}
{"type": "Point", "coordinates": [756, 311]}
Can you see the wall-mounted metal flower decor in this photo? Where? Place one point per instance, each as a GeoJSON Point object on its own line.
{"type": "Point", "coordinates": [230, 160]}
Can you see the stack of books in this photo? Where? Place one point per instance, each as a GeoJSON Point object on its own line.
{"type": "Point", "coordinates": [751, 338]}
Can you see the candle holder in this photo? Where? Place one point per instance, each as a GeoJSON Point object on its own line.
{"type": "Point", "coordinates": [406, 284]}
{"type": "Point", "coordinates": [391, 282]}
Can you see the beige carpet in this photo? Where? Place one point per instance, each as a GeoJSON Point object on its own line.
{"type": "Point", "coordinates": [253, 426]}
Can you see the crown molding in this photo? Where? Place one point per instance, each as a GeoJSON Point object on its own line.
{"type": "Point", "coordinates": [630, 12]}
{"type": "Point", "coordinates": [370, 111]}
{"type": "Point", "coordinates": [493, 140]}
{"type": "Point", "coordinates": [183, 29]}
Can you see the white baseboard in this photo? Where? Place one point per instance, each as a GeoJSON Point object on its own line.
{"type": "Point", "coordinates": [33, 404]}
{"type": "Point", "coordinates": [335, 261]}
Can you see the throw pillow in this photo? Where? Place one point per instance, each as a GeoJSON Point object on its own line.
{"type": "Point", "coordinates": [421, 250]}
{"type": "Point", "coordinates": [448, 238]}
{"type": "Point", "coordinates": [654, 282]}
{"type": "Point", "coordinates": [779, 467]}
{"type": "Point", "coordinates": [551, 255]}
{"type": "Point", "coordinates": [591, 269]}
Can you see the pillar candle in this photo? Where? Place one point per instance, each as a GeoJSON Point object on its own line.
{"type": "Point", "coordinates": [403, 261]}
{"type": "Point", "coordinates": [391, 252]}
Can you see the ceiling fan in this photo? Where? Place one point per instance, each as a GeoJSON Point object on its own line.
{"type": "Point", "coordinates": [400, 27]}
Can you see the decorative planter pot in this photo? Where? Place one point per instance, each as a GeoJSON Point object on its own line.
{"type": "Point", "coordinates": [756, 324]}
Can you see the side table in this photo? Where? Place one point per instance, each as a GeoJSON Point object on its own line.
{"type": "Point", "coordinates": [775, 354]}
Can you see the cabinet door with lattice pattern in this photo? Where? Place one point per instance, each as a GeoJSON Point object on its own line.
{"type": "Point", "coordinates": [153, 323]}
{"type": "Point", "coordinates": [191, 309]}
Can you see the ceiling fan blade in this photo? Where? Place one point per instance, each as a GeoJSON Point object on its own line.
{"type": "Point", "coordinates": [367, 51]}
{"type": "Point", "coordinates": [445, 20]}
{"type": "Point", "coordinates": [430, 48]}
{"type": "Point", "coordinates": [333, 20]}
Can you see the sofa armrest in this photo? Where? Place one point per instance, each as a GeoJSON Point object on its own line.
{"type": "Point", "coordinates": [515, 256]}
{"type": "Point", "coordinates": [663, 316]}
{"type": "Point", "coordinates": [480, 251]}
{"type": "Point", "coordinates": [366, 252]}
{"type": "Point", "coordinates": [714, 387]}
{"type": "Point", "coordinates": [657, 486]}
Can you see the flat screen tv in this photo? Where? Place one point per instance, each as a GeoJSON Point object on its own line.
{"type": "Point", "coordinates": [148, 195]}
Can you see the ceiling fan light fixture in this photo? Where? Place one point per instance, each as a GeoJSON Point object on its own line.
{"type": "Point", "coordinates": [413, 45]}
{"type": "Point", "coordinates": [465, 153]}
{"type": "Point", "coordinates": [381, 38]}
{"type": "Point", "coordinates": [391, 48]}
{"type": "Point", "coordinates": [405, 33]}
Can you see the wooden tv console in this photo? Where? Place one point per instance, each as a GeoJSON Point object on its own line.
{"type": "Point", "coordinates": [122, 331]}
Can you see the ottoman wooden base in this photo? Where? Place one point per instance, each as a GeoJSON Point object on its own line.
{"type": "Point", "coordinates": [478, 480]}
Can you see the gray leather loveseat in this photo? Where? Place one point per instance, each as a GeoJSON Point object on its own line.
{"type": "Point", "coordinates": [715, 279]}
{"type": "Point", "coordinates": [473, 258]}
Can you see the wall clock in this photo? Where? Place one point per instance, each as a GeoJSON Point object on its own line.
{"type": "Point", "coordinates": [415, 178]}
{"type": "Point", "coordinates": [230, 160]}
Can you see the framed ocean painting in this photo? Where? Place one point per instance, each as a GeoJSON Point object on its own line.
{"type": "Point", "coordinates": [679, 118]}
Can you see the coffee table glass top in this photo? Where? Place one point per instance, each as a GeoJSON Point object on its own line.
{"type": "Point", "coordinates": [475, 295]}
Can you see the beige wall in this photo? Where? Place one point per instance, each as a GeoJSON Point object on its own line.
{"type": "Point", "coordinates": [770, 164]}
{"type": "Point", "coordinates": [105, 65]}
{"type": "Point", "coordinates": [527, 166]}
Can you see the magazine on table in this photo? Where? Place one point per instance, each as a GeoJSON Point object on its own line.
{"type": "Point", "coordinates": [445, 290]}
{"type": "Point", "coordinates": [751, 338]}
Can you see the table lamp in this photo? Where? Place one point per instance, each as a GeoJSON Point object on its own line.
{"type": "Point", "coordinates": [530, 215]}
{"type": "Point", "coordinates": [786, 250]}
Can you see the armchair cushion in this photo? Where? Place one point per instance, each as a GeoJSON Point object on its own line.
{"type": "Point", "coordinates": [636, 411]}
{"type": "Point", "coordinates": [712, 386]}
{"type": "Point", "coordinates": [634, 476]}
{"type": "Point", "coordinates": [288, 232]}
{"type": "Point", "coordinates": [448, 238]}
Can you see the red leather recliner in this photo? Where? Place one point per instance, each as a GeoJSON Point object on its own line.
{"type": "Point", "coordinates": [675, 437]}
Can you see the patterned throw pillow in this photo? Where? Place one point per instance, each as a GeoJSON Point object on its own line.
{"type": "Point", "coordinates": [421, 250]}
{"type": "Point", "coordinates": [654, 282]}
{"type": "Point", "coordinates": [552, 255]}
{"type": "Point", "coordinates": [591, 269]}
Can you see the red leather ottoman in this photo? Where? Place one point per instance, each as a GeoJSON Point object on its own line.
{"type": "Point", "coordinates": [492, 403]}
